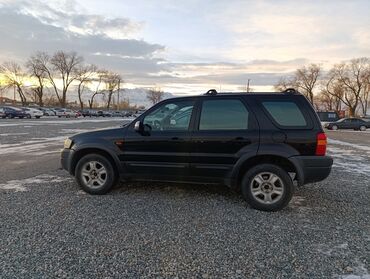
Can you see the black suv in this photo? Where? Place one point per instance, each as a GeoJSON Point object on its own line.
{"type": "Point", "coordinates": [260, 143]}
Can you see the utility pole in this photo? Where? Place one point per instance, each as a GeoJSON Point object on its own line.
{"type": "Point", "coordinates": [247, 87]}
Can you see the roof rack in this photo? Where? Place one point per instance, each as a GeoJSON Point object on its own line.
{"type": "Point", "coordinates": [290, 91]}
{"type": "Point", "coordinates": [211, 92]}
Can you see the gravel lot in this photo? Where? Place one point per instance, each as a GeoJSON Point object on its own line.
{"type": "Point", "coordinates": [49, 228]}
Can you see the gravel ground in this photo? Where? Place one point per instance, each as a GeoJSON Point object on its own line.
{"type": "Point", "coordinates": [49, 228]}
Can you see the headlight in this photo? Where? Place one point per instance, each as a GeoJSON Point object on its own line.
{"type": "Point", "coordinates": [68, 143]}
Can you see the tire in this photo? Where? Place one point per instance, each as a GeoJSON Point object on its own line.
{"type": "Point", "coordinates": [362, 128]}
{"type": "Point", "coordinates": [334, 128]}
{"type": "Point", "coordinates": [93, 163]}
{"type": "Point", "coordinates": [38, 117]}
{"type": "Point", "coordinates": [257, 191]}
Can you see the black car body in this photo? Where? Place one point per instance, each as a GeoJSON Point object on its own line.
{"type": "Point", "coordinates": [223, 138]}
{"type": "Point", "coordinates": [349, 123]}
{"type": "Point", "coordinates": [12, 112]}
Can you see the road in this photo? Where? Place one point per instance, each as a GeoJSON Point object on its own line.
{"type": "Point", "coordinates": [50, 228]}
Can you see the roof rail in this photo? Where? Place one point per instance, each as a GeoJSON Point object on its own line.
{"type": "Point", "coordinates": [290, 91]}
{"type": "Point", "coordinates": [211, 92]}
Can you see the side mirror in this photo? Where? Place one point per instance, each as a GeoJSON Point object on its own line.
{"type": "Point", "coordinates": [143, 129]}
{"type": "Point", "coordinates": [139, 127]}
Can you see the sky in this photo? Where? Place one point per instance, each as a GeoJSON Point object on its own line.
{"type": "Point", "coordinates": [188, 47]}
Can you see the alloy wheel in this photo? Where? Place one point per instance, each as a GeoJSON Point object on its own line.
{"type": "Point", "coordinates": [267, 188]}
{"type": "Point", "coordinates": [94, 174]}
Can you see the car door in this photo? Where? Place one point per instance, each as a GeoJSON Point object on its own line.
{"type": "Point", "coordinates": [163, 152]}
{"type": "Point", "coordinates": [224, 129]}
{"type": "Point", "coordinates": [345, 124]}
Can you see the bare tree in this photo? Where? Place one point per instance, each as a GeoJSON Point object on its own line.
{"type": "Point", "coordinates": [65, 65]}
{"type": "Point", "coordinates": [62, 65]}
{"type": "Point", "coordinates": [14, 75]}
{"type": "Point", "coordinates": [98, 79]}
{"type": "Point", "coordinates": [36, 69]}
{"type": "Point", "coordinates": [352, 76]}
{"type": "Point", "coordinates": [330, 102]}
{"type": "Point", "coordinates": [84, 76]}
{"type": "Point", "coordinates": [112, 83]}
{"type": "Point", "coordinates": [283, 84]}
{"type": "Point", "coordinates": [365, 95]}
{"type": "Point", "coordinates": [306, 80]}
{"type": "Point", "coordinates": [155, 95]}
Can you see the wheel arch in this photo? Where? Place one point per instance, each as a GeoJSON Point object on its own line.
{"type": "Point", "coordinates": [275, 159]}
{"type": "Point", "coordinates": [78, 154]}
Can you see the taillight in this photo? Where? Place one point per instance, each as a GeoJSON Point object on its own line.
{"type": "Point", "coordinates": [321, 144]}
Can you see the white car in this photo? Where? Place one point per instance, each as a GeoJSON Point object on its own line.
{"type": "Point", "coordinates": [32, 112]}
{"type": "Point", "coordinates": [66, 113]}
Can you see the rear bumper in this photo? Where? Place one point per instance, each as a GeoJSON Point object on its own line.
{"type": "Point", "coordinates": [66, 159]}
{"type": "Point", "coordinates": [312, 168]}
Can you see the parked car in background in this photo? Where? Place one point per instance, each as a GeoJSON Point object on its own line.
{"type": "Point", "coordinates": [117, 114]}
{"type": "Point", "coordinates": [2, 113]}
{"type": "Point", "coordinates": [13, 112]}
{"type": "Point", "coordinates": [66, 113]}
{"type": "Point", "coordinates": [127, 113]}
{"type": "Point", "coordinates": [85, 113]}
{"type": "Point", "coordinates": [348, 123]}
{"type": "Point", "coordinates": [104, 113]}
{"type": "Point", "coordinates": [261, 144]}
{"type": "Point", "coordinates": [32, 112]}
{"type": "Point", "coordinates": [47, 111]}
{"type": "Point", "coordinates": [366, 117]}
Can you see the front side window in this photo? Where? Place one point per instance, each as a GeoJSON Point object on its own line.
{"type": "Point", "coordinates": [285, 113]}
{"type": "Point", "coordinates": [223, 115]}
{"type": "Point", "coordinates": [174, 116]}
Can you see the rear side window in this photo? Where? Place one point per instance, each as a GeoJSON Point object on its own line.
{"type": "Point", "coordinates": [223, 115]}
{"type": "Point", "coordinates": [285, 113]}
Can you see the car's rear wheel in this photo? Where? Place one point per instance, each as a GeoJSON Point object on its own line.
{"type": "Point", "coordinates": [335, 127]}
{"type": "Point", "coordinates": [95, 174]}
{"type": "Point", "coordinates": [362, 128]}
{"type": "Point", "coordinates": [267, 187]}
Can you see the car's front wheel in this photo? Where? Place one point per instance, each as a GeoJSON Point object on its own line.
{"type": "Point", "coordinates": [362, 128]}
{"type": "Point", "coordinates": [267, 187]}
{"type": "Point", "coordinates": [95, 174]}
{"type": "Point", "coordinates": [335, 127]}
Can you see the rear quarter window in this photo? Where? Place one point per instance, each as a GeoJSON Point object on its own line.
{"type": "Point", "coordinates": [287, 114]}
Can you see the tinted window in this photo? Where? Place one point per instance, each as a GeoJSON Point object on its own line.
{"type": "Point", "coordinates": [174, 116]}
{"type": "Point", "coordinates": [223, 115]}
{"type": "Point", "coordinates": [285, 113]}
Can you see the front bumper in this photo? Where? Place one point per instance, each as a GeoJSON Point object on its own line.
{"type": "Point", "coordinates": [312, 168]}
{"type": "Point", "coordinates": [66, 159]}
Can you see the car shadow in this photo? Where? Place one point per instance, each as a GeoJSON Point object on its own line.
{"type": "Point", "coordinates": [188, 189]}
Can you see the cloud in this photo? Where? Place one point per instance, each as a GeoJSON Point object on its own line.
{"type": "Point", "coordinates": [23, 33]}
{"type": "Point", "coordinates": [75, 21]}
{"type": "Point", "coordinates": [201, 45]}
